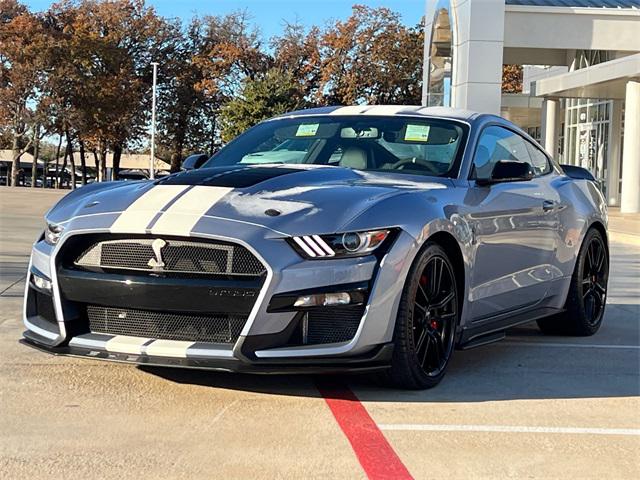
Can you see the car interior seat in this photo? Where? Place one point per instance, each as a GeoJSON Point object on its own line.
{"type": "Point", "coordinates": [354, 157]}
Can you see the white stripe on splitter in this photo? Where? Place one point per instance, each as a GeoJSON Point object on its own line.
{"type": "Point", "coordinates": [181, 217]}
{"type": "Point", "coordinates": [510, 429]}
{"type": "Point", "coordinates": [140, 213]}
{"type": "Point", "coordinates": [168, 348]}
{"type": "Point", "coordinates": [126, 344]}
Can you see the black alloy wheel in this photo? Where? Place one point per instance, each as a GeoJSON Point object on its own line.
{"type": "Point", "coordinates": [426, 327]}
{"type": "Point", "coordinates": [434, 314]}
{"type": "Point", "coordinates": [587, 297]}
{"type": "Point", "coordinates": [594, 280]}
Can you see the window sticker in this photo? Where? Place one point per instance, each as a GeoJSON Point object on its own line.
{"type": "Point", "coordinates": [307, 130]}
{"type": "Point", "coordinates": [416, 133]}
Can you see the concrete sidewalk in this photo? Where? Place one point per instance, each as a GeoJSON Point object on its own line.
{"type": "Point", "coordinates": [624, 227]}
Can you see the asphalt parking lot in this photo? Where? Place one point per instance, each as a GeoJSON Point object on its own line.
{"type": "Point", "coordinates": [528, 407]}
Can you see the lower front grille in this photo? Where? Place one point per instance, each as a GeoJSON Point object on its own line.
{"type": "Point", "coordinates": [218, 328]}
{"type": "Point", "coordinates": [333, 324]}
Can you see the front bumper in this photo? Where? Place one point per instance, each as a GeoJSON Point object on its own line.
{"type": "Point", "coordinates": [259, 347]}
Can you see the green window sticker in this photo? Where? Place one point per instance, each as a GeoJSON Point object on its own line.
{"type": "Point", "coordinates": [416, 133]}
{"type": "Point", "coordinates": [307, 130]}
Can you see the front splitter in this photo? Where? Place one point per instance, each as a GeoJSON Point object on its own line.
{"type": "Point", "coordinates": [378, 359]}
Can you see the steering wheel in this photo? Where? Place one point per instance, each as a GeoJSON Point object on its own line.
{"type": "Point", "coordinates": [416, 161]}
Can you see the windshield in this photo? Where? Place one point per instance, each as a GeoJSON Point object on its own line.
{"type": "Point", "coordinates": [399, 144]}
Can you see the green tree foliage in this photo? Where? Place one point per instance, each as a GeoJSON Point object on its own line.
{"type": "Point", "coordinates": [260, 98]}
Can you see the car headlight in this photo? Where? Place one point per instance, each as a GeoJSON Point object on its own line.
{"type": "Point", "coordinates": [339, 245]}
{"type": "Point", "coordinates": [52, 233]}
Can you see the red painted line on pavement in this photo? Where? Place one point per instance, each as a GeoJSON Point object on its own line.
{"type": "Point", "coordinates": [377, 457]}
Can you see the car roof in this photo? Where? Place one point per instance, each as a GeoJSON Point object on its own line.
{"type": "Point", "coordinates": [392, 110]}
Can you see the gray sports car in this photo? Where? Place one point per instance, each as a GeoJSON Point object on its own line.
{"type": "Point", "coordinates": [345, 238]}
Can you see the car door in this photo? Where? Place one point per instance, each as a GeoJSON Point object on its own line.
{"type": "Point", "coordinates": [513, 225]}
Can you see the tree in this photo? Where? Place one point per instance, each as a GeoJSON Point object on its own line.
{"type": "Point", "coordinates": [203, 68]}
{"type": "Point", "coordinates": [276, 93]}
{"type": "Point", "coordinates": [102, 76]}
{"type": "Point", "coordinates": [511, 79]}
{"type": "Point", "coordinates": [372, 58]}
{"type": "Point", "coordinates": [186, 115]}
{"type": "Point", "coordinates": [297, 52]}
{"type": "Point", "coordinates": [232, 52]}
{"type": "Point", "coordinates": [23, 47]}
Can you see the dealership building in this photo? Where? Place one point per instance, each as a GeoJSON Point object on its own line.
{"type": "Point", "coordinates": [581, 77]}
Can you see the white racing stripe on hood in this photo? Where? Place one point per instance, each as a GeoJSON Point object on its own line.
{"type": "Point", "coordinates": [182, 216]}
{"type": "Point", "coordinates": [142, 211]}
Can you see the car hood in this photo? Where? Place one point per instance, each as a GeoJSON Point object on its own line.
{"type": "Point", "coordinates": [289, 200]}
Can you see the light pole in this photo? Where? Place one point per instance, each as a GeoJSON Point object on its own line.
{"type": "Point", "coordinates": [152, 174]}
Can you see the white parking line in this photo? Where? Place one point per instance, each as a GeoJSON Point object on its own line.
{"type": "Point", "coordinates": [509, 429]}
{"type": "Point", "coordinates": [567, 345]}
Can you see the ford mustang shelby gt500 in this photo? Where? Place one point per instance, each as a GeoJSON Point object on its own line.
{"type": "Point", "coordinates": [343, 238]}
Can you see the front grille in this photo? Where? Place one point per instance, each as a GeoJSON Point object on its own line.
{"type": "Point", "coordinates": [219, 328]}
{"type": "Point", "coordinates": [333, 324]}
{"type": "Point", "coordinates": [177, 256]}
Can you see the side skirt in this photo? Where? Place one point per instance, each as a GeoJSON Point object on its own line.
{"type": "Point", "coordinates": [494, 331]}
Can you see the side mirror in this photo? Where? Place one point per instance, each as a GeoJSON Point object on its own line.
{"type": "Point", "coordinates": [508, 171]}
{"type": "Point", "coordinates": [577, 172]}
{"type": "Point", "coordinates": [193, 162]}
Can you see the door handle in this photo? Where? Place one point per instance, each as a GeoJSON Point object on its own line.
{"type": "Point", "coordinates": [548, 205]}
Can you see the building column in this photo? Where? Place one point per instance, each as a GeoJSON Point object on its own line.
{"type": "Point", "coordinates": [550, 126]}
{"type": "Point", "coordinates": [630, 199]}
{"type": "Point", "coordinates": [613, 162]}
{"type": "Point", "coordinates": [478, 43]}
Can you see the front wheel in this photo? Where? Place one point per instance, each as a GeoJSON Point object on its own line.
{"type": "Point", "coordinates": [584, 308]}
{"type": "Point", "coordinates": [425, 332]}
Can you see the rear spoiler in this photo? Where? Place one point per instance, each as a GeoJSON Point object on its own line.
{"type": "Point", "coordinates": [578, 173]}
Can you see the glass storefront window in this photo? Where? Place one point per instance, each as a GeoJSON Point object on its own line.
{"type": "Point", "coordinates": [439, 78]}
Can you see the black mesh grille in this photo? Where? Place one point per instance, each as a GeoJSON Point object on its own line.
{"type": "Point", "coordinates": [178, 256]}
{"type": "Point", "coordinates": [334, 324]}
{"type": "Point", "coordinates": [166, 326]}
{"type": "Point", "coordinates": [44, 307]}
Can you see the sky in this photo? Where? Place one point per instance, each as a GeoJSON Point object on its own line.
{"type": "Point", "coordinates": [270, 15]}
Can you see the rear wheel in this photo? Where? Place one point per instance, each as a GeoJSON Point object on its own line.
{"type": "Point", "coordinates": [584, 308]}
{"type": "Point", "coordinates": [425, 333]}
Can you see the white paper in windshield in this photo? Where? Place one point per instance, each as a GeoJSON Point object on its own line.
{"type": "Point", "coordinates": [307, 130]}
{"type": "Point", "coordinates": [416, 133]}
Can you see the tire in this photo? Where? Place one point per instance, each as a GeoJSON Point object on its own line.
{"type": "Point", "coordinates": [587, 297]}
{"type": "Point", "coordinates": [426, 325]}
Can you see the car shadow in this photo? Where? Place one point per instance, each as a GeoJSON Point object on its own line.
{"type": "Point", "coordinates": [515, 369]}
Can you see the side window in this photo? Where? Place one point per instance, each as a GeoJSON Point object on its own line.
{"type": "Point", "coordinates": [541, 164]}
{"type": "Point", "coordinates": [497, 143]}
